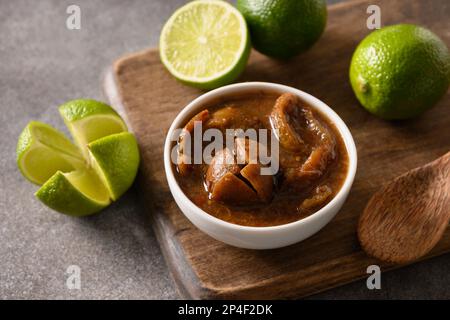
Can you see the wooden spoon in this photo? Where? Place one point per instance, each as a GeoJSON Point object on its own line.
{"type": "Point", "coordinates": [406, 218]}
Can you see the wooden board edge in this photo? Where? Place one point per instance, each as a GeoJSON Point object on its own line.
{"type": "Point", "coordinates": [179, 269]}
{"type": "Point", "coordinates": [344, 4]}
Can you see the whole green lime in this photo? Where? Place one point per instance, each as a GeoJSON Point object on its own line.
{"type": "Point", "coordinates": [284, 28]}
{"type": "Point", "coordinates": [400, 71]}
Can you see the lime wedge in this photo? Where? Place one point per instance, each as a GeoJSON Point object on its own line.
{"type": "Point", "coordinates": [205, 44]}
{"type": "Point", "coordinates": [43, 150]}
{"type": "Point", "coordinates": [116, 159]}
{"type": "Point", "coordinates": [77, 193]}
{"type": "Point", "coordinates": [89, 120]}
{"type": "Point", "coordinates": [80, 180]}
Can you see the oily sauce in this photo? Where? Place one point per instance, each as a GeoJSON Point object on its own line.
{"type": "Point", "coordinates": [288, 203]}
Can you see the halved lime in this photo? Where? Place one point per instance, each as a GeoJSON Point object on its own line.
{"type": "Point", "coordinates": [89, 120]}
{"type": "Point", "coordinates": [80, 180]}
{"type": "Point", "coordinates": [43, 150]}
{"type": "Point", "coordinates": [205, 44]}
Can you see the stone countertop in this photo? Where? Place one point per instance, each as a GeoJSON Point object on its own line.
{"type": "Point", "coordinates": [43, 64]}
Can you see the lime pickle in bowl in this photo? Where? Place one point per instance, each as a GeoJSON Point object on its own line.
{"type": "Point", "coordinates": [259, 165]}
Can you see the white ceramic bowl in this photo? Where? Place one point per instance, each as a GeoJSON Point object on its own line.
{"type": "Point", "coordinates": [258, 237]}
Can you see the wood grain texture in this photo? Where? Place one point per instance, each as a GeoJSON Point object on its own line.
{"type": "Point", "coordinates": [405, 219]}
{"type": "Point", "coordinates": [206, 268]}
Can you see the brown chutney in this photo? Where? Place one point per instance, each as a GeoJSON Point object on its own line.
{"type": "Point", "coordinates": [313, 161]}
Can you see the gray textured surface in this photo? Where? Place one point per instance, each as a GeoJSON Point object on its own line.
{"type": "Point", "coordinates": [42, 65]}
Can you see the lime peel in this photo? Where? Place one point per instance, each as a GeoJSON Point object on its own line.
{"type": "Point", "coordinates": [204, 29]}
{"type": "Point", "coordinates": [62, 194]}
{"type": "Point", "coordinates": [39, 141]}
{"type": "Point", "coordinates": [72, 182]}
{"type": "Point", "coordinates": [119, 149]}
{"type": "Point", "coordinates": [400, 71]}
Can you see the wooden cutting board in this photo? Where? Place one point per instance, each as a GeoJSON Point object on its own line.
{"type": "Point", "coordinates": [205, 268]}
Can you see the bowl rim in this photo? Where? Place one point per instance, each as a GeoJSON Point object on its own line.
{"type": "Point", "coordinates": [327, 111]}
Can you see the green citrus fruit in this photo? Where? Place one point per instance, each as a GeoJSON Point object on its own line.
{"type": "Point", "coordinates": [89, 120]}
{"type": "Point", "coordinates": [115, 158]}
{"type": "Point", "coordinates": [205, 44]}
{"type": "Point", "coordinates": [284, 28]}
{"type": "Point", "coordinates": [80, 180]}
{"type": "Point", "coordinates": [43, 150]}
{"type": "Point", "coordinates": [77, 193]}
{"type": "Point", "coordinates": [400, 71]}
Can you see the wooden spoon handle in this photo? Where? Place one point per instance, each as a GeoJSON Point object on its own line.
{"type": "Point", "coordinates": [442, 168]}
{"type": "Point", "coordinates": [444, 161]}
{"type": "Point", "coordinates": [406, 218]}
